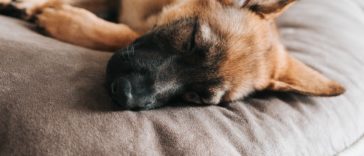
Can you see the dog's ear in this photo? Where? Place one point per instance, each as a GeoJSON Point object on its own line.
{"type": "Point", "coordinates": [267, 9]}
{"type": "Point", "coordinates": [294, 76]}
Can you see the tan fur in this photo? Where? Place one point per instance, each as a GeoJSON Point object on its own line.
{"type": "Point", "coordinates": [141, 14]}
{"type": "Point", "coordinates": [5, 1]}
{"type": "Point", "coordinates": [84, 28]}
{"type": "Point", "coordinates": [255, 59]}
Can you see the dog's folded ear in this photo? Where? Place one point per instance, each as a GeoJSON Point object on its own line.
{"type": "Point", "coordinates": [267, 9]}
{"type": "Point", "coordinates": [295, 76]}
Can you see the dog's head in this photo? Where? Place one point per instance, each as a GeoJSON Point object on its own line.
{"type": "Point", "coordinates": [208, 52]}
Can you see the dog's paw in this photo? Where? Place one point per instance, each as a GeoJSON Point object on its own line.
{"type": "Point", "coordinates": [5, 2]}
{"type": "Point", "coordinates": [25, 9]}
{"type": "Point", "coordinates": [68, 23]}
{"type": "Point", "coordinates": [9, 8]}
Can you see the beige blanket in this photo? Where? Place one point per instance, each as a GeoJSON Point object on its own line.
{"type": "Point", "coordinates": [52, 99]}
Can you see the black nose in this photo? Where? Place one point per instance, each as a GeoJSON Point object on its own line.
{"type": "Point", "coordinates": [121, 89]}
{"type": "Point", "coordinates": [122, 93]}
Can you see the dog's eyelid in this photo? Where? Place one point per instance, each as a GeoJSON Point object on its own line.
{"type": "Point", "coordinates": [192, 97]}
{"type": "Point", "coordinates": [192, 41]}
{"type": "Point", "coordinates": [154, 26]}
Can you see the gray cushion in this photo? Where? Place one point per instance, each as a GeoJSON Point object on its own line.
{"type": "Point", "coordinates": [52, 99]}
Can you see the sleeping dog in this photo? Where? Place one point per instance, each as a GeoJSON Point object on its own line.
{"type": "Point", "coordinates": [205, 51]}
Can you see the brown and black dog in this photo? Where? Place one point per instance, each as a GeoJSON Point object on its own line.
{"type": "Point", "coordinates": [206, 51]}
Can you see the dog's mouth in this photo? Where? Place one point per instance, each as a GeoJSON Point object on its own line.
{"type": "Point", "coordinates": [138, 107]}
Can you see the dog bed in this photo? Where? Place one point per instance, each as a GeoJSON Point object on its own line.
{"type": "Point", "coordinates": [53, 102]}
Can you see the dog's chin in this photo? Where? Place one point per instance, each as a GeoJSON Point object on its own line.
{"type": "Point", "coordinates": [133, 107]}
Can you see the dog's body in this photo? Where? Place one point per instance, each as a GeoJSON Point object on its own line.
{"type": "Point", "coordinates": [208, 51]}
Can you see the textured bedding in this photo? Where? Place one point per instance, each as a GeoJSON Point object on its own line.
{"type": "Point", "coordinates": [357, 149]}
{"type": "Point", "coordinates": [53, 102]}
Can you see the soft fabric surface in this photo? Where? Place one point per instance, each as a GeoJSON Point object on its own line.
{"type": "Point", "coordinates": [357, 149]}
{"type": "Point", "coordinates": [52, 99]}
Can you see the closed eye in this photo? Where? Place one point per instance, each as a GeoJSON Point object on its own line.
{"type": "Point", "coordinates": [192, 41]}
{"type": "Point", "coordinates": [192, 97]}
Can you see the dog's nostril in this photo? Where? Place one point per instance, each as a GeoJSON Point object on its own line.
{"type": "Point", "coordinates": [113, 88]}
{"type": "Point", "coordinates": [121, 89]}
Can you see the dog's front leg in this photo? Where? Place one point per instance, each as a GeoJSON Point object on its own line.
{"type": "Point", "coordinates": [81, 27]}
{"type": "Point", "coordinates": [70, 24]}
